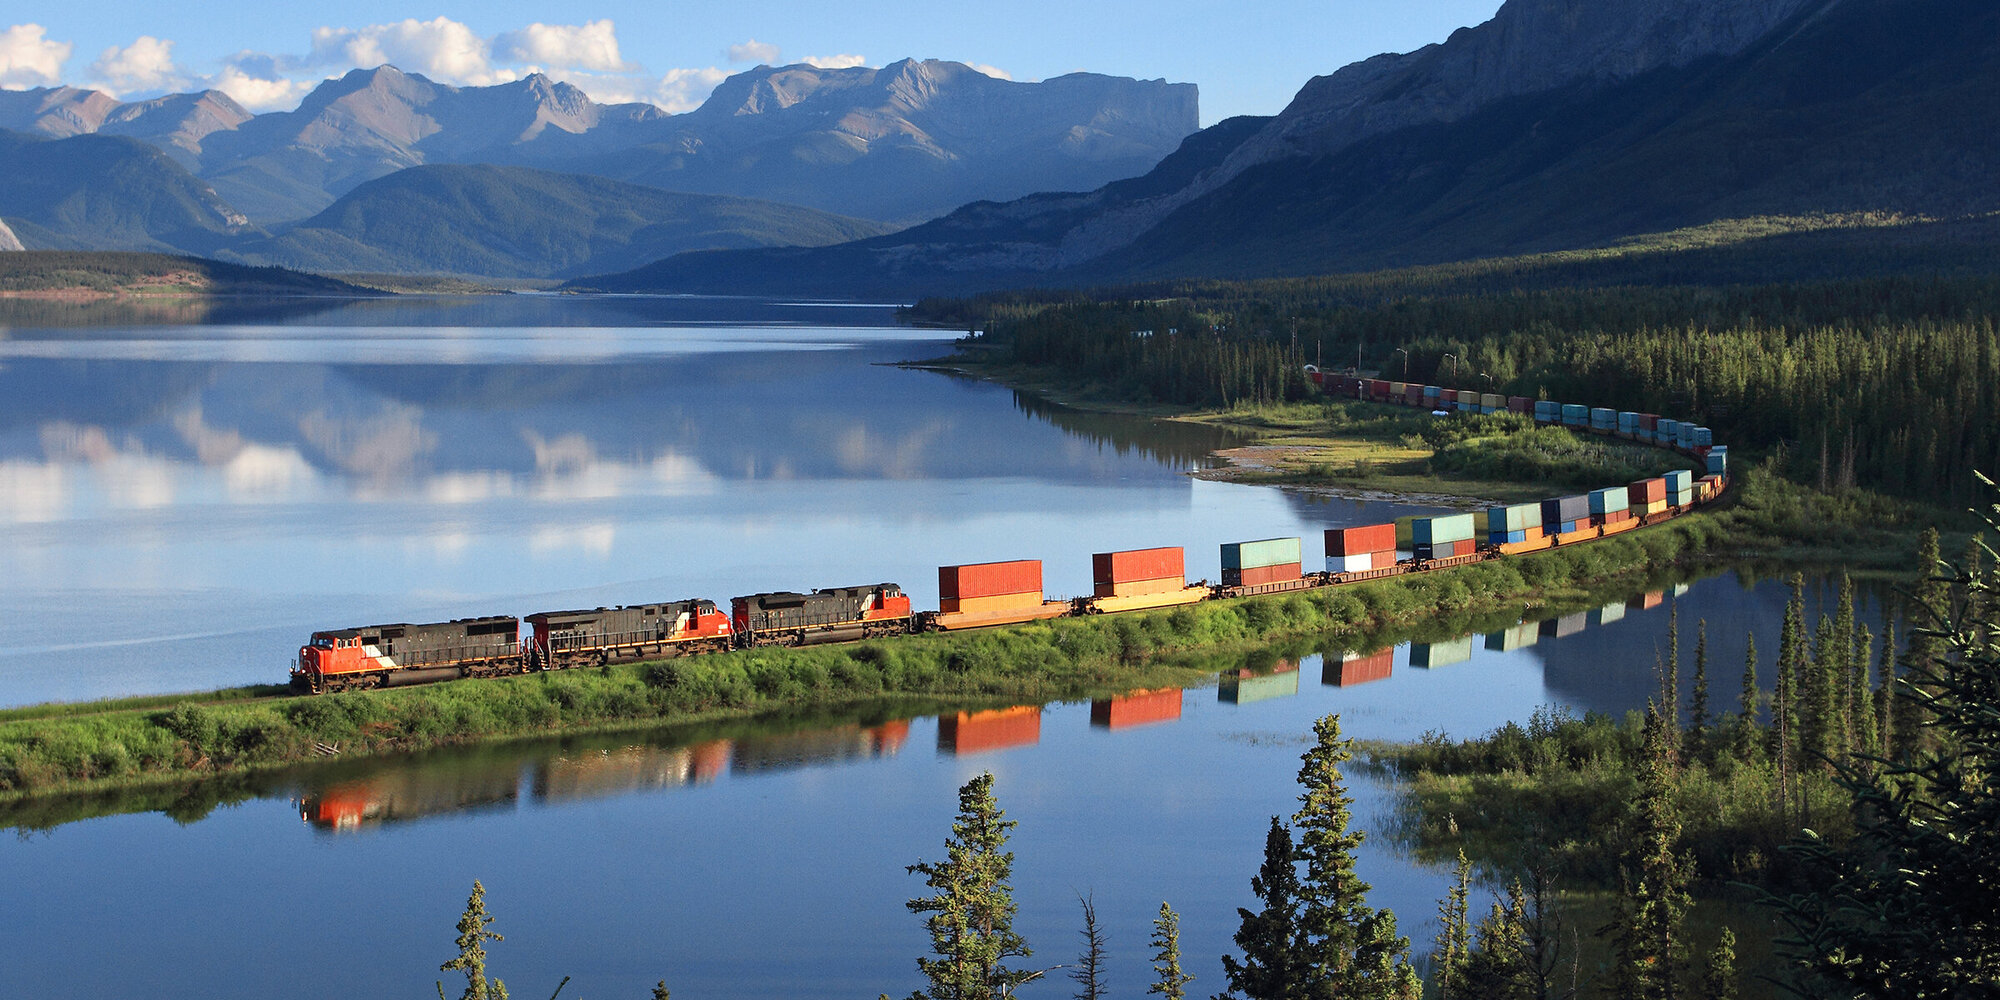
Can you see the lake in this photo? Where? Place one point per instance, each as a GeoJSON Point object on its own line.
{"type": "Point", "coordinates": [183, 503]}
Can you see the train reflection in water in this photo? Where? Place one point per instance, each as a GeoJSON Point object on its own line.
{"type": "Point", "coordinates": [489, 780]}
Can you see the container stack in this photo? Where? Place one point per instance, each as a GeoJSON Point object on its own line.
{"type": "Point", "coordinates": [1398, 390]}
{"type": "Point", "coordinates": [1492, 402]}
{"type": "Point", "coordinates": [1667, 431]}
{"type": "Point", "coordinates": [1433, 397]}
{"type": "Point", "coordinates": [1357, 550]}
{"type": "Point", "coordinates": [1610, 505]}
{"type": "Point", "coordinates": [1520, 404]}
{"type": "Point", "coordinates": [1431, 655]}
{"type": "Point", "coordinates": [1649, 496]}
{"type": "Point", "coordinates": [1251, 564]}
{"type": "Point", "coordinates": [1604, 419]}
{"type": "Point", "coordinates": [1138, 571]}
{"type": "Point", "coordinates": [1519, 522]}
{"type": "Point", "coordinates": [1441, 537]}
{"type": "Point", "coordinates": [996, 586]}
{"type": "Point", "coordinates": [1414, 394]}
{"type": "Point", "coordinates": [1468, 401]}
{"type": "Point", "coordinates": [1575, 415]}
{"type": "Point", "coordinates": [1709, 487]}
{"type": "Point", "coordinates": [1649, 426]}
{"type": "Point", "coordinates": [1718, 460]}
{"type": "Point", "coordinates": [1548, 411]}
{"type": "Point", "coordinates": [1703, 437]}
{"type": "Point", "coordinates": [1628, 423]}
{"type": "Point", "coordinates": [1355, 668]}
{"type": "Point", "coordinates": [1680, 487]}
{"type": "Point", "coordinates": [1564, 515]}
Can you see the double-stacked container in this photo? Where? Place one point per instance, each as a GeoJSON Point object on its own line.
{"type": "Point", "coordinates": [1251, 564]}
{"type": "Point", "coordinates": [1604, 419]}
{"type": "Point", "coordinates": [1441, 537]}
{"type": "Point", "coordinates": [1434, 397]}
{"type": "Point", "coordinates": [1575, 415]}
{"type": "Point", "coordinates": [1680, 487]}
{"type": "Point", "coordinates": [1519, 522]}
{"type": "Point", "coordinates": [1628, 423]}
{"type": "Point", "coordinates": [1520, 404]}
{"type": "Point", "coordinates": [1512, 637]}
{"type": "Point", "coordinates": [1548, 411]}
{"type": "Point", "coordinates": [1468, 401]}
{"type": "Point", "coordinates": [1565, 515]}
{"type": "Point", "coordinates": [1397, 390]}
{"type": "Point", "coordinates": [1413, 394]}
{"type": "Point", "coordinates": [979, 588]}
{"type": "Point", "coordinates": [1718, 460]}
{"type": "Point", "coordinates": [1492, 402]}
{"type": "Point", "coordinates": [1703, 437]}
{"type": "Point", "coordinates": [1610, 505]}
{"type": "Point", "coordinates": [1358, 550]}
{"type": "Point", "coordinates": [1649, 425]}
{"type": "Point", "coordinates": [1430, 655]}
{"type": "Point", "coordinates": [1355, 668]}
{"type": "Point", "coordinates": [1667, 431]}
{"type": "Point", "coordinates": [1138, 571]}
{"type": "Point", "coordinates": [1649, 496]}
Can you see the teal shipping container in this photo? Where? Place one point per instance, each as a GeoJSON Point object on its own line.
{"type": "Point", "coordinates": [1610, 500]}
{"type": "Point", "coordinates": [1448, 528]}
{"type": "Point", "coordinates": [1517, 517]}
{"type": "Point", "coordinates": [1440, 654]}
{"type": "Point", "coordinates": [1259, 554]}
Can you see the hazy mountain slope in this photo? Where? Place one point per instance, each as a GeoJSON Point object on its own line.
{"type": "Point", "coordinates": [177, 123]}
{"type": "Point", "coordinates": [108, 193]}
{"type": "Point", "coordinates": [518, 222]}
{"type": "Point", "coordinates": [1857, 105]}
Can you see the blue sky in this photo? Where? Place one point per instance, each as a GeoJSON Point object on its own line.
{"type": "Point", "coordinates": [1248, 57]}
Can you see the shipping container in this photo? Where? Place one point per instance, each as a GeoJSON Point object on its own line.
{"type": "Point", "coordinates": [1575, 415]}
{"type": "Point", "coordinates": [1399, 388]}
{"type": "Point", "coordinates": [1548, 411]}
{"type": "Point", "coordinates": [1506, 537]}
{"type": "Point", "coordinates": [1613, 516]}
{"type": "Point", "coordinates": [1442, 550]}
{"type": "Point", "coordinates": [1608, 614]}
{"type": "Point", "coordinates": [1443, 528]}
{"type": "Point", "coordinates": [1355, 668]}
{"type": "Point", "coordinates": [1520, 404]}
{"type": "Point", "coordinates": [990, 602]}
{"type": "Point", "coordinates": [1718, 463]}
{"type": "Point", "coordinates": [1514, 517]}
{"type": "Point", "coordinates": [1414, 396]}
{"type": "Point", "coordinates": [1565, 626]}
{"type": "Point", "coordinates": [1603, 418]}
{"type": "Point", "coordinates": [1491, 402]}
{"type": "Point", "coordinates": [1647, 601]}
{"type": "Point", "coordinates": [1648, 423]}
{"type": "Point", "coordinates": [1433, 392]}
{"type": "Point", "coordinates": [1361, 563]}
{"type": "Point", "coordinates": [1257, 576]}
{"type": "Point", "coordinates": [1440, 654]}
{"type": "Point", "coordinates": [1139, 588]}
{"type": "Point", "coordinates": [1563, 510]}
{"type": "Point", "coordinates": [987, 579]}
{"type": "Point", "coordinates": [1628, 422]}
{"type": "Point", "coordinates": [1610, 498]}
{"type": "Point", "coordinates": [1362, 540]}
{"type": "Point", "coordinates": [976, 732]}
{"type": "Point", "coordinates": [1703, 437]}
{"type": "Point", "coordinates": [1137, 708]}
{"type": "Point", "coordinates": [1241, 690]}
{"type": "Point", "coordinates": [1265, 552]}
{"type": "Point", "coordinates": [1137, 564]}
{"type": "Point", "coordinates": [1679, 479]}
{"type": "Point", "coordinates": [1467, 399]}
{"type": "Point", "coordinates": [1667, 431]}
{"type": "Point", "coordinates": [1512, 637]}
{"type": "Point", "coordinates": [1649, 490]}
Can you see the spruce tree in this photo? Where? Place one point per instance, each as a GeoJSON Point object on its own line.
{"type": "Point", "coordinates": [1927, 603]}
{"type": "Point", "coordinates": [1887, 709]}
{"type": "Point", "coordinates": [1495, 970]}
{"type": "Point", "coordinates": [1454, 940]}
{"type": "Point", "coordinates": [1718, 979]}
{"type": "Point", "coordinates": [1698, 701]}
{"type": "Point", "coordinates": [471, 959]}
{"type": "Point", "coordinates": [1747, 734]}
{"type": "Point", "coordinates": [1351, 951]}
{"type": "Point", "coordinates": [1089, 971]}
{"type": "Point", "coordinates": [971, 920]}
{"type": "Point", "coordinates": [1274, 963]}
{"type": "Point", "coordinates": [1171, 983]}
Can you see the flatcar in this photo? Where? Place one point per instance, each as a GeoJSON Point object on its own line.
{"type": "Point", "coordinates": [833, 614]}
{"type": "Point", "coordinates": [386, 655]}
{"type": "Point", "coordinates": [604, 635]}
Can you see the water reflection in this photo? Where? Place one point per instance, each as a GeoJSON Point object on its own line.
{"type": "Point", "coordinates": [1248, 685]}
{"type": "Point", "coordinates": [1137, 708]}
{"type": "Point", "coordinates": [1358, 668]}
{"type": "Point", "coordinates": [994, 729]}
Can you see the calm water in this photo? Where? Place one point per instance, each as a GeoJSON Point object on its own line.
{"type": "Point", "coordinates": [182, 504]}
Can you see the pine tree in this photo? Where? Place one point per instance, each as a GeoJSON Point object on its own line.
{"type": "Point", "coordinates": [660, 991]}
{"type": "Point", "coordinates": [1274, 964]}
{"type": "Point", "coordinates": [1927, 602]}
{"type": "Point", "coordinates": [1698, 707]}
{"type": "Point", "coordinates": [1747, 745]}
{"type": "Point", "coordinates": [1718, 979]}
{"type": "Point", "coordinates": [471, 960]}
{"type": "Point", "coordinates": [1454, 935]}
{"type": "Point", "coordinates": [1350, 950]}
{"type": "Point", "coordinates": [1171, 983]}
{"type": "Point", "coordinates": [1494, 970]}
{"type": "Point", "coordinates": [1887, 709]}
{"type": "Point", "coordinates": [971, 920]}
{"type": "Point", "coordinates": [1647, 934]}
{"type": "Point", "coordinates": [1867, 738]}
{"type": "Point", "coordinates": [1089, 971]}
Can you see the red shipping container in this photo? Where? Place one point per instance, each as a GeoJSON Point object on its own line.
{"type": "Point", "coordinates": [1136, 709]}
{"type": "Point", "coordinates": [973, 732]}
{"type": "Point", "coordinates": [990, 579]}
{"type": "Point", "coordinates": [1260, 575]}
{"type": "Point", "coordinates": [1649, 421]}
{"type": "Point", "coordinates": [1361, 541]}
{"type": "Point", "coordinates": [1647, 491]}
{"type": "Point", "coordinates": [1520, 404]}
{"type": "Point", "coordinates": [1137, 564]}
{"type": "Point", "coordinates": [1359, 670]}
{"type": "Point", "coordinates": [1613, 517]}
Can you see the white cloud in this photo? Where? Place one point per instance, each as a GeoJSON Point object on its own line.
{"type": "Point", "coordinates": [146, 64]}
{"type": "Point", "coordinates": [590, 46]}
{"type": "Point", "coordinates": [842, 61]}
{"type": "Point", "coordinates": [29, 59]}
{"type": "Point", "coordinates": [258, 92]}
{"type": "Point", "coordinates": [993, 71]}
{"type": "Point", "coordinates": [753, 51]}
{"type": "Point", "coordinates": [440, 48]}
{"type": "Point", "coordinates": [684, 89]}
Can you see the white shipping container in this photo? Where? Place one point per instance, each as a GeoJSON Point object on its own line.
{"type": "Point", "coordinates": [1350, 564]}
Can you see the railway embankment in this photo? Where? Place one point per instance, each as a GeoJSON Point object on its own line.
{"type": "Point", "coordinates": [72, 749]}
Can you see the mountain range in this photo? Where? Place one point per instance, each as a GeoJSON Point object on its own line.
{"type": "Point", "coordinates": [1554, 125]}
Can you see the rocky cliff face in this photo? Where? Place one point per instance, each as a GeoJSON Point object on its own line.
{"type": "Point", "coordinates": [8, 241]}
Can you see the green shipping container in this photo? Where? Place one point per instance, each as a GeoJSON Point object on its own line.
{"type": "Point", "coordinates": [1259, 554]}
{"type": "Point", "coordinates": [1449, 528]}
{"type": "Point", "coordinates": [1518, 517]}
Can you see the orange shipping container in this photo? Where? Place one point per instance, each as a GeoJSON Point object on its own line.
{"type": "Point", "coordinates": [1137, 564]}
{"type": "Point", "coordinates": [973, 732]}
{"type": "Point", "coordinates": [1135, 588]}
{"type": "Point", "coordinates": [989, 579]}
{"type": "Point", "coordinates": [1360, 541]}
{"type": "Point", "coordinates": [996, 602]}
{"type": "Point", "coordinates": [1648, 490]}
{"type": "Point", "coordinates": [1136, 709]}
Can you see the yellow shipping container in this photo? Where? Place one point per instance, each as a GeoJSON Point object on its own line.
{"type": "Point", "coordinates": [998, 602]}
{"type": "Point", "coordinates": [1133, 588]}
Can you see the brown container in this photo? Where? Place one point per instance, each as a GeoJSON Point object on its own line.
{"type": "Point", "coordinates": [1259, 575]}
{"type": "Point", "coordinates": [1361, 541]}
{"type": "Point", "coordinates": [990, 579]}
{"type": "Point", "coordinates": [1137, 564]}
{"type": "Point", "coordinates": [1648, 490]}
{"type": "Point", "coordinates": [1612, 517]}
{"type": "Point", "coordinates": [1359, 670]}
{"type": "Point", "coordinates": [994, 602]}
{"type": "Point", "coordinates": [1136, 588]}
{"type": "Point", "coordinates": [1136, 709]}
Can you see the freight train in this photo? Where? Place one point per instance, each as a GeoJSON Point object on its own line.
{"type": "Point", "coordinates": [982, 595]}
